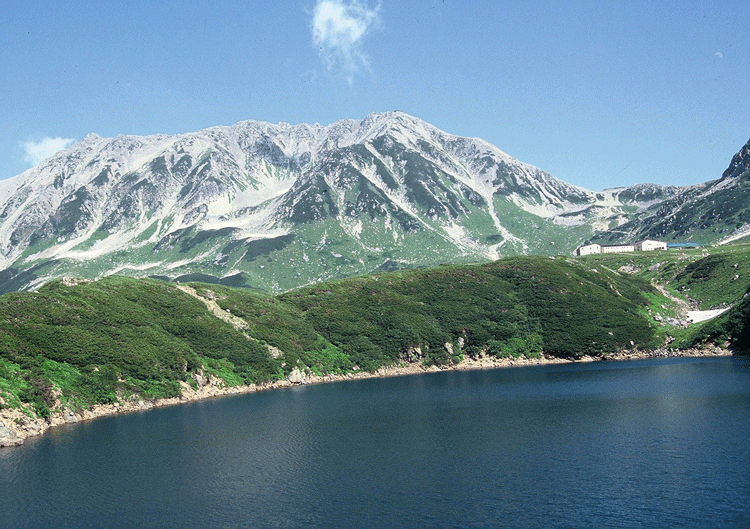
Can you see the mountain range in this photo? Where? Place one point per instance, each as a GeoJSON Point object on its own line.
{"type": "Point", "coordinates": [275, 207]}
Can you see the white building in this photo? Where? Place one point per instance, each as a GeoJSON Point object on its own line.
{"type": "Point", "coordinates": [620, 248]}
{"type": "Point", "coordinates": [643, 246]}
{"type": "Point", "coordinates": [589, 249]}
{"type": "Point", "coordinates": [648, 245]}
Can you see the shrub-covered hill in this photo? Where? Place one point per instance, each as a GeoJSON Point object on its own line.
{"type": "Point", "coordinates": [103, 341]}
{"type": "Point", "coordinates": [525, 305]}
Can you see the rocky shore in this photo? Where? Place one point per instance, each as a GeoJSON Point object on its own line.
{"type": "Point", "coordinates": [15, 426]}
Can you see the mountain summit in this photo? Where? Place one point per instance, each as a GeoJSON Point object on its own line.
{"type": "Point", "coordinates": [279, 206]}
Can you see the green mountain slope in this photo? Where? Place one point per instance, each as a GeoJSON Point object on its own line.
{"type": "Point", "coordinates": [707, 278]}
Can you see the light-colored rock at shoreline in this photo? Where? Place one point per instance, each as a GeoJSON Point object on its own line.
{"type": "Point", "coordinates": [15, 426]}
{"type": "Point", "coordinates": [8, 436]}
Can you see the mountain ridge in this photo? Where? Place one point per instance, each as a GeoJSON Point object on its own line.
{"type": "Point", "coordinates": [280, 206]}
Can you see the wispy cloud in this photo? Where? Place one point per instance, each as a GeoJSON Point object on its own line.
{"type": "Point", "coordinates": [338, 29]}
{"type": "Point", "coordinates": [37, 151]}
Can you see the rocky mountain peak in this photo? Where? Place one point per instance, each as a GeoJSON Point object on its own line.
{"type": "Point", "coordinates": [740, 163]}
{"type": "Point", "coordinates": [277, 206]}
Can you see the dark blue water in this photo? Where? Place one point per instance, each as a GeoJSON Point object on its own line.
{"type": "Point", "coordinates": [657, 443]}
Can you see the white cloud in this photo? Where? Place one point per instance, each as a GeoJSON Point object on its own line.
{"type": "Point", "coordinates": [37, 151]}
{"type": "Point", "coordinates": [719, 55]}
{"type": "Point", "coordinates": [338, 29]}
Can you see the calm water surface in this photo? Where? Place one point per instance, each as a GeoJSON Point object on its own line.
{"type": "Point", "coordinates": [656, 443]}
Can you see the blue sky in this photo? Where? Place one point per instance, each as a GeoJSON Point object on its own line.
{"type": "Point", "coordinates": [600, 94]}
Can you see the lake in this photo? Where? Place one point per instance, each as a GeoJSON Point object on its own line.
{"type": "Point", "coordinates": [651, 443]}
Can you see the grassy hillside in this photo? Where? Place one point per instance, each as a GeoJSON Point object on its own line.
{"type": "Point", "coordinates": [703, 278]}
{"type": "Point", "coordinates": [711, 277]}
{"type": "Point", "coordinates": [121, 338]}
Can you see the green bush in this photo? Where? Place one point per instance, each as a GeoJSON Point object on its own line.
{"type": "Point", "coordinates": [38, 393]}
{"type": "Point", "coordinates": [529, 346]}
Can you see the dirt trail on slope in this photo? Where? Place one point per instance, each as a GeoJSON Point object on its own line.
{"type": "Point", "coordinates": [216, 310]}
{"type": "Point", "coordinates": [683, 306]}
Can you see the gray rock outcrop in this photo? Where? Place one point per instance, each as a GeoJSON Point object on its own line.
{"type": "Point", "coordinates": [296, 376]}
{"type": "Point", "coordinates": [9, 437]}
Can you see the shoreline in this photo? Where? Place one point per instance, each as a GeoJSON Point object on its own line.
{"type": "Point", "coordinates": [16, 426]}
